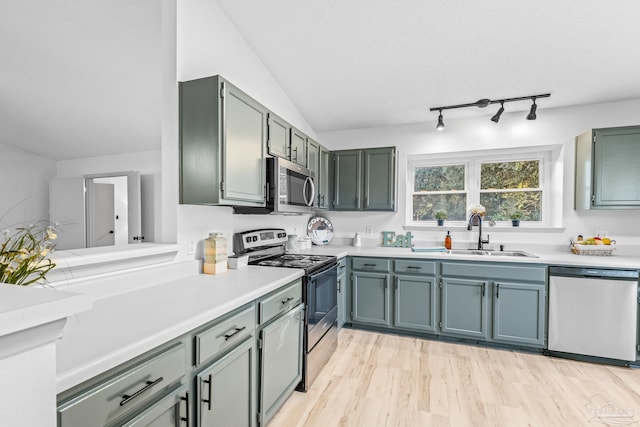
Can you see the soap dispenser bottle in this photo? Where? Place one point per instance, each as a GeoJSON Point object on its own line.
{"type": "Point", "coordinates": [447, 241]}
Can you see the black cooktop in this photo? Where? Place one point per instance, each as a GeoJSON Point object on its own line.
{"type": "Point", "coordinates": [309, 263]}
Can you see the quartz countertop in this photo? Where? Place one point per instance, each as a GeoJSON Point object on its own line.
{"type": "Point", "coordinates": [126, 324]}
{"type": "Point", "coordinates": [627, 257]}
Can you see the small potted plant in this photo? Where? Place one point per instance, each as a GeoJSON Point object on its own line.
{"type": "Point", "coordinates": [440, 216]}
{"type": "Point", "coordinates": [515, 218]}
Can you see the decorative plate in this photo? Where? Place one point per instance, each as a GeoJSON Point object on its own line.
{"type": "Point", "coordinates": [320, 230]}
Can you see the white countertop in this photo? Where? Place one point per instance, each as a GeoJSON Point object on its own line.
{"type": "Point", "coordinates": [26, 307]}
{"type": "Point", "coordinates": [125, 325]}
{"type": "Point", "coordinates": [623, 257]}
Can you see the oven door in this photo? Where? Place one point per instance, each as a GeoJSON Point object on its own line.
{"type": "Point", "coordinates": [322, 302]}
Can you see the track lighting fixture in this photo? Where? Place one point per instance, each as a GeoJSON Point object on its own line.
{"type": "Point", "coordinates": [482, 103]}
{"type": "Point", "coordinates": [532, 112]}
{"type": "Point", "coordinates": [440, 125]}
{"type": "Point", "coordinates": [496, 116]}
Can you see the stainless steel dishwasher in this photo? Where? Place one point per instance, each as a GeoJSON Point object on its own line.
{"type": "Point", "coordinates": [593, 312]}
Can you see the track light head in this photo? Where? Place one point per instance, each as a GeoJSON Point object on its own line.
{"type": "Point", "coordinates": [440, 125]}
{"type": "Point", "coordinates": [532, 112]}
{"type": "Point", "coordinates": [496, 116]}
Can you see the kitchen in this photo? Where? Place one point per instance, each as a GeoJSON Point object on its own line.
{"type": "Point", "coordinates": [555, 126]}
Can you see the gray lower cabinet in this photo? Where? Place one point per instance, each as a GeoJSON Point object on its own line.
{"type": "Point", "coordinates": [280, 360]}
{"type": "Point", "coordinates": [415, 303]}
{"type": "Point", "coordinates": [519, 313]}
{"type": "Point", "coordinates": [465, 308]}
{"type": "Point", "coordinates": [226, 389]}
{"type": "Point", "coordinates": [141, 386]}
{"type": "Point", "coordinates": [170, 411]}
{"type": "Point", "coordinates": [223, 135]}
{"type": "Point", "coordinates": [370, 298]}
{"type": "Point", "coordinates": [342, 292]}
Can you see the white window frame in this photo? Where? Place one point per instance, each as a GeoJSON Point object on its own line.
{"type": "Point", "coordinates": [472, 161]}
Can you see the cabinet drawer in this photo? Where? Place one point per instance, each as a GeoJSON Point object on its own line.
{"type": "Point", "coordinates": [370, 264]}
{"type": "Point", "coordinates": [281, 301]}
{"type": "Point", "coordinates": [224, 335]}
{"type": "Point", "coordinates": [415, 266]}
{"type": "Point", "coordinates": [127, 391]}
{"type": "Point", "coordinates": [495, 272]}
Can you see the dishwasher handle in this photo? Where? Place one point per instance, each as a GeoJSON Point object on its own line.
{"type": "Point", "coordinates": [596, 273]}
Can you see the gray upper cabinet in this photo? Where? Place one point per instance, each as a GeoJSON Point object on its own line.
{"type": "Point", "coordinates": [298, 151]}
{"type": "Point", "coordinates": [322, 179]}
{"type": "Point", "coordinates": [607, 173]}
{"type": "Point", "coordinates": [223, 134]}
{"type": "Point", "coordinates": [347, 176]}
{"type": "Point", "coordinates": [279, 135]}
{"type": "Point", "coordinates": [364, 179]}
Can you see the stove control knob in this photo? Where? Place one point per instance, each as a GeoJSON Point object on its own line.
{"type": "Point", "coordinates": [254, 238]}
{"type": "Point", "coordinates": [248, 239]}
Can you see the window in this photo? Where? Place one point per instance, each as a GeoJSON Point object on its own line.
{"type": "Point", "coordinates": [506, 182]}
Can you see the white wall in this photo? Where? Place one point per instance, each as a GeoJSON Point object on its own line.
{"type": "Point", "coordinates": [25, 186]}
{"type": "Point", "coordinates": [553, 126]}
{"type": "Point", "coordinates": [147, 163]}
{"type": "Point", "coordinates": [209, 44]}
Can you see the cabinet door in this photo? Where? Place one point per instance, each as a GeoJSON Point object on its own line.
{"type": "Point", "coordinates": [415, 303]}
{"type": "Point", "coordinates": [347, 180]}
{"type": "Point", "coordinates": [322, 179]}
{"type": "Point", "coordinates": [278, 136]}
{"type": "Point", "coordinates": [379, 179]}
{"type": "Point", "coordinates": [280, 361]}
{"type": "Point", "coordinates": [298, 147]}
{"type": "Point", "coordinates": [370, 298]}
{"type": "Point", "coordinates": [342, 292]}
{"type": "Point", "coordinates": [226, 390]}
{"type": "Point", "coordinates": [313, 164]}
{"type": "Point", "coordinates": [170, 411]}
{"type": "Point", "coordinates": [244, 138]}
{"type": "Point", "coordinates": [464, 308]}
{"type": "Point", "coordinates": [519, 313]}
{"type": "Point", "coordinates": [616, 175]}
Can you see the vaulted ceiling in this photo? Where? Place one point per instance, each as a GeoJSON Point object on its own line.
{"type": "Point", "coordinates": [75, 73]}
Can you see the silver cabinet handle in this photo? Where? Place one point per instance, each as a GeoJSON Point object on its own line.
{"type": "Point", "coordinates": [497, 290]}
{"type": "Point", "coordinates": [284, 301]}
{"type": "Point", "coordinates": [235, 332]}
{"type": "Point", "coordinates": [484, 285]}
{"type": "Point", "coordinates": [128, 398]}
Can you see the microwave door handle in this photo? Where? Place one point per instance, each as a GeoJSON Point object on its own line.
{"type": "Point", "coordinates": [309, 201]}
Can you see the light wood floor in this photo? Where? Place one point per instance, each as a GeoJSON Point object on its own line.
{"type": "Point", "coordinates": [386, 380]}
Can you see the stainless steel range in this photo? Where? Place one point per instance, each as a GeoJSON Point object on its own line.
{"type": "Point", "coordinates": [266, 247]}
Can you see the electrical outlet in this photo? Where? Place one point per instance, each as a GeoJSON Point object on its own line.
{"type": "Point", "coordinates": [369, 230]}
{"type": "Point", "coordinates": [191, 247]}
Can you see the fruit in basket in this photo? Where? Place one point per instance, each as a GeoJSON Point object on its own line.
{"type": "Point", "coordinates": [606, 240]}
{"type": "Point", "coordinates": [580, 238]}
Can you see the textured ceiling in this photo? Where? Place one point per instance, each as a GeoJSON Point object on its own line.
{"type": "Point", "coordinates": [82, 78]}
{"type": "Point", "coordinates": [362, 63]}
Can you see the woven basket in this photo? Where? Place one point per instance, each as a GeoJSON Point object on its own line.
{"type": "Point", "coordinates": [597, 250]}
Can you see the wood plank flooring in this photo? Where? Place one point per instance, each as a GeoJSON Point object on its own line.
{"type": "Point", "coordinates": [386, 380]}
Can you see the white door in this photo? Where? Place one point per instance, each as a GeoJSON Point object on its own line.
{"type": "Point", "coordinates": [101, 221]}
{"type": "Point", "coordinates": [66, 207]}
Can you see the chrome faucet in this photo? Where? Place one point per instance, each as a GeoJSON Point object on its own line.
{"type": "Point", "coordinates": [473, 220]}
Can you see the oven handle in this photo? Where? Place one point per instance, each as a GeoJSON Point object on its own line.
{"type": "Point", "coordinates": [333, 267]}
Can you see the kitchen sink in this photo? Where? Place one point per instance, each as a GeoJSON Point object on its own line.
{"type": "Point", "coordinates": [483, 252]}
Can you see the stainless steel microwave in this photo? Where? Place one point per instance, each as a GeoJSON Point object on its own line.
{"type": "Point", "coordinates": [290, 187]}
